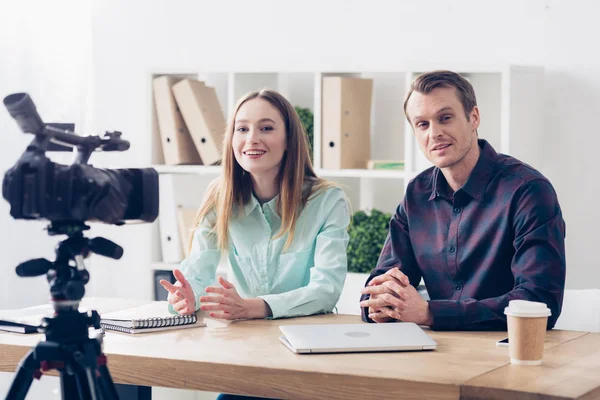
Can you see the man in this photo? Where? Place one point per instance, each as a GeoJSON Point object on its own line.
{"type": "Point", "coordinates": [480, 228]}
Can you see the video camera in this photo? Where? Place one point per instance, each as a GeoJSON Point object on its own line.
{"type": "Point", "coordinates": [38, 188]}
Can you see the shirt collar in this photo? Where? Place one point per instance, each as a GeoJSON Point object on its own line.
{"type": "Point", "coordinates": [440, 186]}
{"type": "Point", "coordinates": [482, 173]}
{"type": "Point", "coordinates": [478, 179]}
{"type": "Point", "coordinates": [253, 203]}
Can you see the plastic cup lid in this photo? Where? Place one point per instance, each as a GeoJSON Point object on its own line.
{"type": "Point", "coordinates": [525, 308]}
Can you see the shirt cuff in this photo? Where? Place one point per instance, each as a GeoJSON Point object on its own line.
{"type": "Point", "coordinates": [445, 314]}
{"type": "Point", "coordinates": [278, 308]}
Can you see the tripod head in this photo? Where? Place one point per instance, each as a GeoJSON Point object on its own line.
{"type": "Point", "coordinates": [67, 274]}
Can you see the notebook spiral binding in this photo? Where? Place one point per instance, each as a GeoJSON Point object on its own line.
{"type": "Point", "coordinates": [160, 322]}
{"type": "Point", "coordinates": [110, 327]}
{"type": "Point", "coordinates": [157, 322]}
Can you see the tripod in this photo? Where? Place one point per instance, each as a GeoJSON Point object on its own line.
{"type": "Point", "coordinates": [68, 347]}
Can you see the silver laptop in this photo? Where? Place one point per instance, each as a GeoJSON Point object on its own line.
{"type": "Point", "coordinates": [345, 338]}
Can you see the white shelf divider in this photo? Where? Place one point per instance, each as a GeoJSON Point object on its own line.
{"type": "Point", "coordinates": [317, 117]}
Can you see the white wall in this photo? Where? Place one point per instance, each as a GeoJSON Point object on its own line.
{"type": "Point", "coordinates": [45, 50]}
{"type": "Point", "coordinates": [572, 142]}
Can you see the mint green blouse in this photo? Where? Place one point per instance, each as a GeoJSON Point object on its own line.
{"type": "Point", "coordinates": [306, 279]}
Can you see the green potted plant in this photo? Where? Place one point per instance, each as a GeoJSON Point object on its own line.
{"type": "Point", "coordinates": [367, 232]}
{"type": "Point", "coordinates": [307, 119]}
{"type": "Point", "coordinates": [367, 235]}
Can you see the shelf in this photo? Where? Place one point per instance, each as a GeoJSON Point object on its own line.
{"type": "Point", "coordinates": [171, 266]}
{"type": "Point", "coordinates": [188, 169]}
{"type": "Point", "coordinates": [348, 173]}
{"type": "Point", "coordinates": [164, 266]}
{"type": "Point", "coordinates": [365, 173]}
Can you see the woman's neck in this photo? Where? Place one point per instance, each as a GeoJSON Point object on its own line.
{"type": "Point", "coordinates": [265, 188]}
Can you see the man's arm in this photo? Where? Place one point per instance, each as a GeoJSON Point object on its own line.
{"type": "Point", "coordinates": [538, 266]}
{"type": "Point", "coordinates": [397, 252]}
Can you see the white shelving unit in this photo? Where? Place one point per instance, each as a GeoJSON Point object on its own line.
{"type": "Point", "coordinates": [509, 98]}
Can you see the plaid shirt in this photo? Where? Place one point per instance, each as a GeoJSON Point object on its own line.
{"type": "Point", "coordinates": [498, 238]}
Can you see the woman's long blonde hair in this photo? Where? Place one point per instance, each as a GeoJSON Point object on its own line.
{"type": "Point", "coordinates": [234, 187]}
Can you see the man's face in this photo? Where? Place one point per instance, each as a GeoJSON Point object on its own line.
{"type": "Point", "coordinates": [441, 126]}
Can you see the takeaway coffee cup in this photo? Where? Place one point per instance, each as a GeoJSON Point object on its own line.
{"type": "Point", "coordinates": [527, 322]}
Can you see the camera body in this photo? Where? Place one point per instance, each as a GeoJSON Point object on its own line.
{"type": "Point", "coordinates": [38, 188]}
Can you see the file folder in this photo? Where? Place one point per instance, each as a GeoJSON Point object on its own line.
{"type": "Point", "coordinates": [177, 144]}
{"type": "Point", "coordinates": [203, 116]}
{"type": "Point", "coordinates": [346, 126]}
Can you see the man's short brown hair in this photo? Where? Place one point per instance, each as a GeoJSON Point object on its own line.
{"type": "Point", "coordinates": [428, 81]}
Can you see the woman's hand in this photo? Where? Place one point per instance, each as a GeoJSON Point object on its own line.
{"type": "Point", "coordinates": [181, 295]}
{"type": "Point", "coordinates": [226, 299]}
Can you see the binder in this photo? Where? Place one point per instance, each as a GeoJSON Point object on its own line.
{"type": "Point", "coordinates": [185, 221]}
{"type": "Point", "coordinates": [167, 218]}
{"type": "Point", "coordinates": [177, 144]}
{"type": "Point", "coordinates": [346, 115]}
{"type": "Point", "coordinates": [203, 116]}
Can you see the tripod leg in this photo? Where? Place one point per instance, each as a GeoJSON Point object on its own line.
{"type": "Point", "coordinates": [28, 368]}
{"type": "Point", "coordinates": [87, 389]}
{"type": "Point", "coordinates": [68, 386]}
{"type": "Point", "coordinates": [107, 386]}
{"type": "Point", "coordinates": [93, 386]}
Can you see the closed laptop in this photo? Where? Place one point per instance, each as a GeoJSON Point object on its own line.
{"type": "Point", "coordinates": [364, 337]}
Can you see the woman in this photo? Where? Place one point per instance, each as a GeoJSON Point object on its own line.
{"type": "Point", "coordinates": [283, 228]}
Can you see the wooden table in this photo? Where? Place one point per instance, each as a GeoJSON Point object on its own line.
{"type": "Point", "coordinates": [246, 357]}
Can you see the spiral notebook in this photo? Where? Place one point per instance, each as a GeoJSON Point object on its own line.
{"type": "Point", "coordinates": [151, 317]}
{"type": "Point", "coordinates": [24, 320]}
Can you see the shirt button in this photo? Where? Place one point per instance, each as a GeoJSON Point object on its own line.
{"type": "Point", "coordinates": [452, 249]}
{"type": "Point", "coordinates": [456, 210]}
